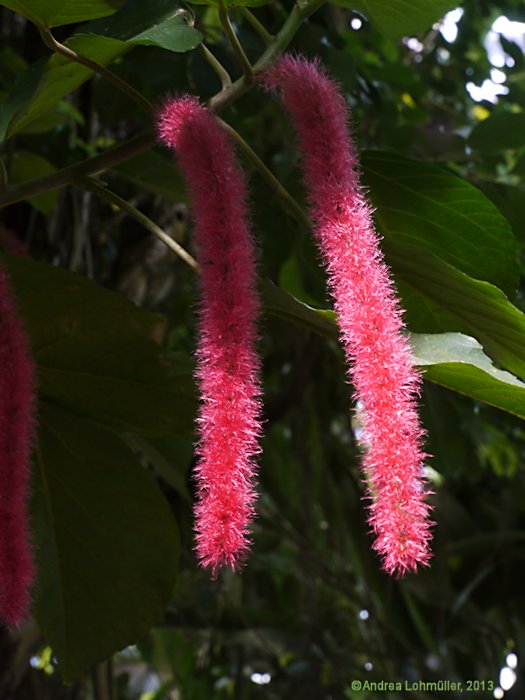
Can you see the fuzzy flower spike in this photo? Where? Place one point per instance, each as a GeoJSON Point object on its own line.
{"type": "Point", "coordinates": [227, 363]}
{"type": "Point", "coordinates": [369, 316]}
{"type": "Point", "coordinates": [17, 405]}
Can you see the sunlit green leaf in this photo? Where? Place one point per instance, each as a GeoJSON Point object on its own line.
{"type": "Point", "coordinates": [398, 18]}
{"type": "Point", "coordinates": [458, 362]}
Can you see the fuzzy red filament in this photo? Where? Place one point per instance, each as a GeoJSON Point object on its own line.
{"type": "Point", "coordinates": [17, 405]}
{"type": "Point", "coordinates": [227, 363]}
{"type": "Point", "coordinates": [369, 316]}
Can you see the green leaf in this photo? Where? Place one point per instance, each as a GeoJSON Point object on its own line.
{"type": "Point", "coordinates": [482, 309]}
{"type": "Point", "coordinates": [279, 303]}
{"type": "Point", "coordinates": [499, 132]}
{"type": "Point", "coordinates": [54, 13]}
{"type": "Point", "coordinates": [107, 543]}
{"type": "Point", "coordinates": [23, 91]}
{"type": "Point", "coordinates": [173, 34]}
{"type": "Point", "coordinates": [457, 362]}
{"type": "Point", "coordinates": [44, 85]}
{"type": "Point", "coordinates": [27, 165]}
{"type": "Point", "coordinates": [425, 206]}
{"type": "Point", "coordinates": [397, 18]}
{"type": "Point", "coordinates": [232, 3]}
{"type": "Point", "coordinates": [510, 200]}
{"type": "Point", "coordinates": [156, 22]}
{"type": "Point", "coordinates": [96, 356]}
{"type": "Point", "coordinates": [12, 65]}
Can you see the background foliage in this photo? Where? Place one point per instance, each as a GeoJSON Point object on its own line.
{"type": "Point", "coordinates": [121, 610]}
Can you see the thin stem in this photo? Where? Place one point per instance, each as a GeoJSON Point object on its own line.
{"type": "Point", "coordinates": [55, 46]}
{"type": "Point", "coordinates": [234, 41]}
{"type": "Point", "coordinates": [92, 185]}
{"type": "Point", "coordinates": [289, 203]}
{"type": "Point", "coordinates": [259, 28]}
{"type": "Point", "coordinates": [91, 166]}
{"type": "Point", "coordinates": [217, 66]}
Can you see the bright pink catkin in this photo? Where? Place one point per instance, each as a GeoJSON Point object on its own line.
{"type": "Point", "coordinates": [379, 356]}
{"type": "Point", "coordinates": [228, 366]}
{"type": "Point", "coordinates": [17, 404]}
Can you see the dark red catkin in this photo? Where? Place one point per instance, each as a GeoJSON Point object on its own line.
{"type": "Point", "coordinates": [17, 418]}
{"type": "Point", "coordinates": [228, 364]}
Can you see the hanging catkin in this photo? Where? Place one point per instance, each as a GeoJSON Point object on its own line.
{"type": "Point", "coordinates": [228, 365]}
{"type": "Point", "coordinates": [369, 315]}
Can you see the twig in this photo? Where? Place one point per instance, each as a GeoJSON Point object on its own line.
{"type": "Point", "coordinates": [234, 41]}
{"type": "Point", "coordinates": [217, 66]}
{"type": "Point", "coordinates": [92, 185]}
{"type": "Point", "coordinates": [259, 28]}
{"type": "Point", "coordinates": [285, 35]}
{"type": "Point", "coordinates": [291, 204]}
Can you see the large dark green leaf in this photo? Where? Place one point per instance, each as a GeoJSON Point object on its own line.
{"type": "Point", "coordinates": [96, 356]}
{"type": "Point", "coordinates": [397, 18]}
{"type": "Point", "coordinates": [425, 206]}
{"type": "Point", "coordinates": [53, 13]}
{"type": "Point", "coordinates": [106, 542]}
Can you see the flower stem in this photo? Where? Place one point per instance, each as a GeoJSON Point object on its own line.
{"type": "Point", "coordinates": [259, 28]}
{"type": "Point", "coordinates": [55, 46]}
{"type": "Point", "coordinates": [289, 203]}
{"type": "Point", "coordinates": [93, 185]}
{"type": "Point", "coordinates": [234, 41]}
{"type": "Point", "coordinates": [217, 66]}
